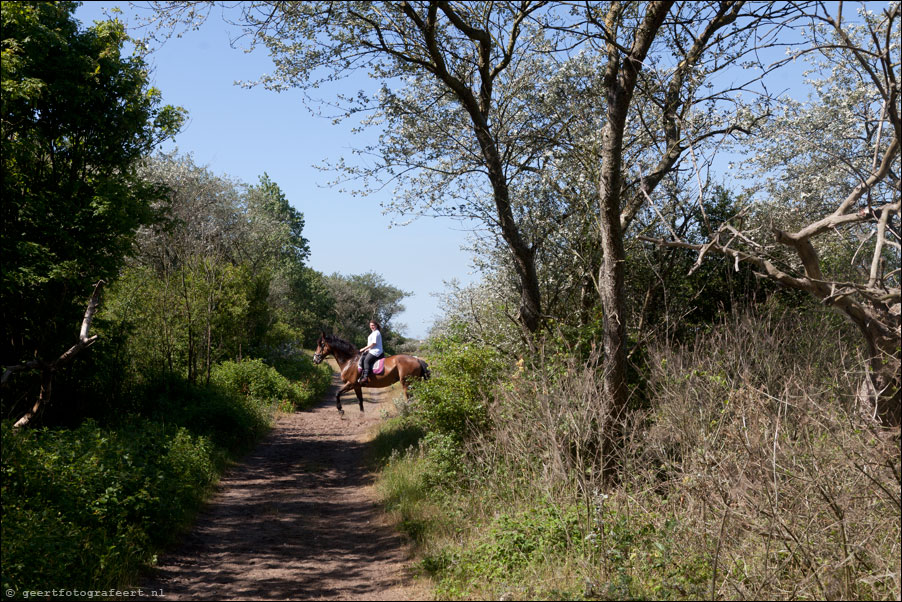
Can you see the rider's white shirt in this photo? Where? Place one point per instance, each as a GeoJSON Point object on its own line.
{"type": "Point", "coordinates": [375, 339]}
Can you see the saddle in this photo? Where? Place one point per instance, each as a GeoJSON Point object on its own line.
{"type": "Point", "coordinates": [378, 367]}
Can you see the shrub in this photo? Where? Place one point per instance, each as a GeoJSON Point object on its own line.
{"type": "Point", "coordinates": [444, 459]}
{"type": "Point", "coordinates": [91, 505]}
{"type": "Point", "coordinates": [515, 554]}
{"type": "Point", "coordinates": [267, 386]}
{"type": "Point", "coordinates": [455, 400]}
{"type": "Point", "coordinates": [310, 381]}
{"type": "Point", "coordinates": [792, 490]}
{"type": "Point", "coordinates": [751, 473]}
{"type": "Point", "coordinates": [94, 503]}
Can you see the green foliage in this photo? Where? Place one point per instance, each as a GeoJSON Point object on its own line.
{"type": "Point", "coordinates": [183, 322]}
{"type": "Point", "coordinates": [91, 505]}
{"type": "Point", "coordinates": [268, 386]}
{"type": "Point", "coordinates": [256, 380]}
{"type": "Point", "coordinates": [231, 419]}
{"type": "Point", "coordinates": [77, 118]}
{"type": "Point", "coordinates": [506, 554]}
{"type": "Point", "coordinates": [515, 540]}
{"type": "Point", "coordinates": [663, 296]}
{"type": "Point", "coordinates": [395, 436]}
{"type": "Point", "coordinates": [298, 367]}
{"type": "Point", "coordinates": [641, 555]}
{"type": "Point", "coordinates": [754, 418]}
{"type": "Point", "coordinates": [267, 201]}
{"type": "Point", "coordinates": [444, 459]}
{"type": "Point", "coordinates": [455, 400]}
{"type": "Point", "coordinates": [220, 280]}
{"type": "Point", "coordinates": [402, 484]}
{"type": "Point", "coordinates": [360, 298]}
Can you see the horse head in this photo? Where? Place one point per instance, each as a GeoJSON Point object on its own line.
{"type": "Point", "coordinates": [322, 349]}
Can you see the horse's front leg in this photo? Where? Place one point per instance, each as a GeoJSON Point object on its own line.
{"type": "Point", "coordinates": [359, 390]}
{"type": "Point", "coordinates": [344, 389]}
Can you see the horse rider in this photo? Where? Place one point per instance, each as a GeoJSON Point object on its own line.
{"type": "Point", "coordinates": [372, 352]}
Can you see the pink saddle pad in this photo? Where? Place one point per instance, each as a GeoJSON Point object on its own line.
{"type": "Point", "coordinates": [379, 366]}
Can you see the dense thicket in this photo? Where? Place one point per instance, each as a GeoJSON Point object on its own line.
{"type": "Point", "coordinates": [77, 117]}
{"type": "Point", "coordinates": [749, 470]}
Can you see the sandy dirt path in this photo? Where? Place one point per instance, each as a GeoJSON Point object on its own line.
{"type": "Point", "coordinates": [296, 519]}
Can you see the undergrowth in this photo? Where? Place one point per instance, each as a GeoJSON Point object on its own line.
{"type": "Point", "coordinates": [93, 504]}
{"type": "Point", "coordinates": [750, 472]}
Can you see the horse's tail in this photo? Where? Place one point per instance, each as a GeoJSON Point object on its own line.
{"type": "Point", "coordinates": [424, 370]}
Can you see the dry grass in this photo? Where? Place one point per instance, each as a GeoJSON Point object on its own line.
{"type": "Point", "coordinates": [797, 490]}
{"type": "Point", "coordinates": [747, 473]}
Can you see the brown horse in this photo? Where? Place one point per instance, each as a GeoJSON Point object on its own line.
{"type": "Point", "coordinates": [397, 368]}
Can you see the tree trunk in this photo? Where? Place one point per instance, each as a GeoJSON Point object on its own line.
{"type": "Point", "coordinates": [530, 311]}
{"type": "Point", "coordinates": [620, 82]}
{"type": "Point", "coordinates": [48, 368]}
{"type": "Point", "coordinates": [611, 294]}
{"type": "Point", "coordinates": [479, 107]}
{"type": "Point", "coordinates": [882, 386]}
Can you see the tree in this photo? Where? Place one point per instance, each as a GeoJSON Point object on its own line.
{"type": "Point", "coordinates": [664, 300]}
{"type": "Point", "coordinates": [455, 101]}
{"type": "Point", "coordinates": [76, 118]}
{"type": "Point", "coordinates": [275, 226]}
{"type": "Point", "coordinates": [832, 204]}
{"type": "Point", "coordinates": [661, 63]}
{"type": "Point", "coordinates": [295, 293]}
{"type": "Point", "coordinates": [363, 297]}
{"type": "Point", "coordinates": [223, 276]}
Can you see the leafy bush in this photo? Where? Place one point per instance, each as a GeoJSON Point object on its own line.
{"type": "Point", "coordinates": [309, 380]}
{"type": "Point", "coordinates": [266, 385]}
{"type": "Point", "coordinates": [91, 505]}
{"type": "Point", "coordinates": [455, 400]}
{"type": "Point", "coordinates": [233, 421]}
{"type": "Point", "coordinates": [509, 556]}
{"type": "Point", "coordinates": [444, 459]}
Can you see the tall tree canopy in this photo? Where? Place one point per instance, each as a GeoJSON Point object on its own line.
{"type": "Point", "coordinates": [360, 298]}
{"type": "Point", "coordinates": [456, 81]}
{"type": "Point", "coordinates": [825, 219]}
{"type": "Point", "coordinates": [77, 116]}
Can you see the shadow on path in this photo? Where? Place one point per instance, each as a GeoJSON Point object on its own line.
{"type": "Point", "coordinates": [295, 520]}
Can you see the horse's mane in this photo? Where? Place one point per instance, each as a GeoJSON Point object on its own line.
{"type": "Point", "coordinates": [342, 345]}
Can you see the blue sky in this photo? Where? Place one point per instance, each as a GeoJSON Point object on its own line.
{"type": "Point", "coordinates": [243, 133]}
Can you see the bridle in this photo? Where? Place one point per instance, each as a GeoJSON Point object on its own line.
{"type": "Point", "coordinates": [319, 357]}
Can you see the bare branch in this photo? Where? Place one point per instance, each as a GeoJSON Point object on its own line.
{"type": "Point", "coordinates": [48, 368]}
